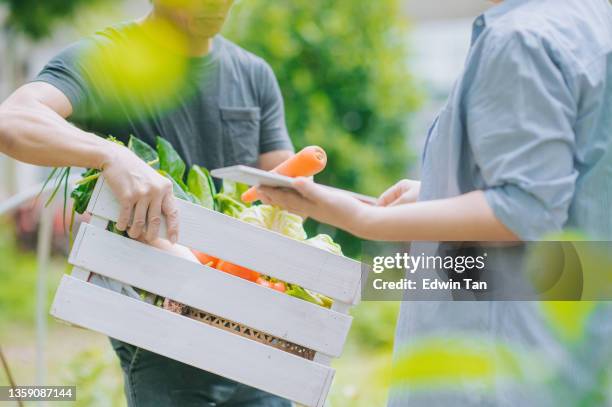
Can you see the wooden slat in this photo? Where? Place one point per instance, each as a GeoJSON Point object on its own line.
{"type": "Point", "coordinates": [210, 290]}
{"type": "Point", "coordinates": [262, 250]}
{"type": "Point", "coordinates": [191, 342]}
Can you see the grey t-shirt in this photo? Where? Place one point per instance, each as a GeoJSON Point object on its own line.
{"type": "Point", "coordinates": [219, 110]}
{"type": "Point", "coordinates": [222, 109]}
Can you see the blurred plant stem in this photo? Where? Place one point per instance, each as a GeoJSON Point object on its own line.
{"type": "Point", "coordinates": [8, 373]}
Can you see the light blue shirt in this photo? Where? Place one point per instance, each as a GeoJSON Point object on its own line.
{"type": "Point", "coordinates": [529, 122]}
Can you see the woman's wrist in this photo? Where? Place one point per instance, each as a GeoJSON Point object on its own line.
{"type": "Point", "coordinates": [358, 218]}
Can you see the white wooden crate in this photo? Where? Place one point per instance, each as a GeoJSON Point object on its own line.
{"type": "Point", "coordinates": [270, 314]}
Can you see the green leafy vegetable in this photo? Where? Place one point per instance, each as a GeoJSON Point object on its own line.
{"type": "Point", "coordinates": [303, 294]}
{"type": "Point", "coordinates": [49, 178]}
{"type": "Point", "coordinates": [144, 151]}
{"type": "Point", "coordinates": [82, 193]}
{"type": "Point", "coordinates": [275, 219]}
{"type": "Point", "coordinates": [201, 186]}
{"type": "Point", "coordinates": [229, 206]}
{"type": "Point", "coordinates": [65, 198]}
{"type": "Point", "coordinates": [171, 162]}
{"type": "Point", "coordinates": [325, 242]}
{"type": "Point", "coordinates": [235, 190]}
{"type": "Point", "coordinates": [59, 179]}
{"type": "Point", "coordinates": [178, 189]}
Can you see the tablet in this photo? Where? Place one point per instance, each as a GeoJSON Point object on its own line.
{"type": "Point", "coordinates": [254, 176]}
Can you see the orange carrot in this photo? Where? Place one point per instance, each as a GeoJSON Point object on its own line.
{"type": "Point", "coordinates": [308, 162]}
{"type": "Point", "coordinates": [206, 259]}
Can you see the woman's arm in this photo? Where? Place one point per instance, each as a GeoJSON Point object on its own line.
{"type": "Point", "coordinates": [463, 218]}
{"type": "Point", "coordinates": [466, 217]}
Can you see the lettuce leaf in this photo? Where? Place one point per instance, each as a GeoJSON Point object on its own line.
{"type": "Point", "coordinates": [143, 151]}
{"type": "Point", "coordinates": [170, 162]}
{"type": "Point", "coordinates": [325, 242]}
{"type": "Point", "coordinates": [201, 186]}
{"type": "Point", "coordinates": [229, 206]}
{"type": "Point", "coordinates": [275, 219]}
{"type": "Point", "coordinates": [235, 190]}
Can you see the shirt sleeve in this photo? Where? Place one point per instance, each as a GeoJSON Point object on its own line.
{"type": "Point", "coordinates": [274, 135]}
{"type": "Point", "coordinates": [520, 114]}
{"type": "Point", "coordinates": [67, 73]}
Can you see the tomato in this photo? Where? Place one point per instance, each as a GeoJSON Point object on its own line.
{"type": "Point", "coordinates": [237, 270]}
{"type": "Point", "coordinates": [263, 282]}
{"type": "Point", "coordinates": [205, 259]}
{"type": "Point", "coordinates": [279, 286]}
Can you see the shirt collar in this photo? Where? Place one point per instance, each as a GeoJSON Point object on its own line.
{"type": "Point", "coordinates": [492, 14]}
{"type": "Point", "coordinates": [502, 8]}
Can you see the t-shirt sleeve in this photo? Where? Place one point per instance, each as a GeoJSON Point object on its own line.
{"type": "Point", "coordinates": [274, 135]}
{"type": "Point", "coordinates": [67, 73]}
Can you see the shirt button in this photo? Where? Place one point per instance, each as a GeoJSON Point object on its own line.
{"type": "Point", "coordinates": [479, 22]}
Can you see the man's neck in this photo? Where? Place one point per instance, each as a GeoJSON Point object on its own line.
{"type": "Point", "coordinates": [180, 42]}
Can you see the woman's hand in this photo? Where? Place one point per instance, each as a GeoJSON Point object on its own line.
{"type": "Point", "coordinates": [404, 192]}
{"type": "Point", "coordinates": [308, 199]}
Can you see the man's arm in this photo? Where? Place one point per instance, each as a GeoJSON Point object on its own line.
{"type": "Point", "coordinates": [274, 145]}
{"type": "Point", "coordinates": [268, 161]}
{"type": "Point", "coordinates": [34, 129]}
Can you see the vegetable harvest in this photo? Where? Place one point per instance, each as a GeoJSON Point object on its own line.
{"type": "Point", "coordinates": [196, 186]}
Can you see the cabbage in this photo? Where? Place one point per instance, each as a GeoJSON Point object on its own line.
{"type": "Point", "coordinates": [275, 219]}
{"type": "Point", "coordinates": [326, 243]}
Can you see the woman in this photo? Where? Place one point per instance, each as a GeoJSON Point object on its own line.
{"type": "Point", "coordinates": [522, 150]}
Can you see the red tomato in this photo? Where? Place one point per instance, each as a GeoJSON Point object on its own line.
{"type": "Point", "coordinates": [237, 270]}
{"type": "Point", "coordinates": [205, 259]}
{"type": "Point", "coordinates": [279, 286]}
{"type": "Point", "coordinates": [263, 282]}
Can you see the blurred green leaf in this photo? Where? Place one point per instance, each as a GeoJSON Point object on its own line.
{"type": "Point", "coordinates": [36, 19]}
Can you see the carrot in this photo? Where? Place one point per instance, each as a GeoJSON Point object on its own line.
{"type": "Point", "coordinates": [309, 161]}
{"type": "Point", "coordinates": [237, 270]}
{"type": "Point", "coordinates": [205, 259]}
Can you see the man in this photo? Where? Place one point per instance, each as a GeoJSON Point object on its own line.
{"type": "Point", "coordinates": [167, 74]}
{"type": "Point", "coordinates": [522, 150]}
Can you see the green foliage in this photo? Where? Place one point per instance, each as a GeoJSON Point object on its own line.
{"type": "Point", "coordinates": [373, 326]}
{"type": "Point", "coordinates": [98, 378]}
{"type": "Point", "coordinates": [18, 280]}
{"type": "Point", "coordinates": [342, 68]}
{"type": "Point", "coordinates": [36, 18]}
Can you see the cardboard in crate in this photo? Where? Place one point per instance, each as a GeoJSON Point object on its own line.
{"type": "Point", "coordinates": [235, 328]}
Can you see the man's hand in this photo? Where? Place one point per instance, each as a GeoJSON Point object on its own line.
{"type": "Point", "coordinates": [141, 190]}
{"type": "Point", "coordinates": [404, 192]}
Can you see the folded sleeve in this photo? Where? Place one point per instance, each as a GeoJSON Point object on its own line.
{"type": "Point", "coordinates": [519, 117]}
